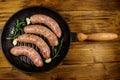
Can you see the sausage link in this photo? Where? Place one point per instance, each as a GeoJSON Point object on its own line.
{"type": "Point", "coordinates": [39, 42]}
{"type": "Point", "coordinates": [39, 29]}
{"type": "Point", "coordinates": [29, 52]}
{"type": "Point", "coordinates": [50, 22]}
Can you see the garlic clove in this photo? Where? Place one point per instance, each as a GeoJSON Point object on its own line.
{"type": "Point", "coordinates": [15, 41]}
{"type": "Point", "coordinates": [48, 60]}
{"type": "Point", "coordinates": [28, 21]}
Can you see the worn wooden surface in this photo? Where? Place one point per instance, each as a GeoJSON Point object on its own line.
{"type": "Point", "coordinates": [85, 60]}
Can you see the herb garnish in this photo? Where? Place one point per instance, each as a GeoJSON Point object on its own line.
{"type": "Point", "coordinates": [55, 54]}
{"type": "Point", "coordinates": [17, 28]}
{"type": "Point", "coordinates": [58, 49]}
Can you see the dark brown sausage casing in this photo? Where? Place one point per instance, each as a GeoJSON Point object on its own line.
{"type": "Point", "coordinates": [50, 22]}
{"type": "Point", "coordinates": [39, 42]}
{"type": "Point", "coordinates": [29, 52]}
{"type": "Point", "coordinates": [39, 29]}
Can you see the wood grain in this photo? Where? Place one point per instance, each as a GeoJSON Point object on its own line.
{"type": "Point", "coordinates": [77, 4]}
{"type": "Point", "coordinates": [85, 60]}
{"type": "Point", "coordinates": [3, 61]}
{"type": "Point", "coordinates": [112, 70]}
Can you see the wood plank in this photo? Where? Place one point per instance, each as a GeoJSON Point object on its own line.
{"type": "Point", "coordinates": [89, 15]}
{"type": "Point", "coordinates": [78, 57]}
{"type": "Point", "coordinates": [92, 21]}
{"type": "Point", "coordinates": [42, 76]}
{"type": "Point", "coordinates": [62, 72]}
{"type": "Point", "coordinates": [7, 9]}
{"type": "Point", "coordinates": [3, 60]}
{"type": "Point", "coordinates": [113, 71]}
{"type": "Point", "coordinates": [106, 52]}
{"type": "Point", "coordinates": [75, 72]}
{"type": "Point", "coordinates": [2, 24]}
{"type": "Point", "coordinates": [7, 6]}
{"type": "Point", "coordinates": [78, 53]}
{"type": "Point", "coordinates": [94, 27]}
{"type": "Point", "coordinates": [77, 4]}
{"type": "Point", "coordinates": [13, 74]}
{"type": "Point", "coordinates": [5, 70]}
{"type": "Point", "coordinates": [5, 73]}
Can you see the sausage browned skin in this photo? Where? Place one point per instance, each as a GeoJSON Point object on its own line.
{"type": "Point", "coordinates": [39, 29]}
{"type": "Point", "coordinates": [50, 22]}
{"type": "Point", "coordinates": [29, 52]}
{"type": "Point", "coordinates": [39, 42]}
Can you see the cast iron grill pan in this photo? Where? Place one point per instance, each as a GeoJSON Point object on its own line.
{"type": "Point", "coordinates": [22, 62]}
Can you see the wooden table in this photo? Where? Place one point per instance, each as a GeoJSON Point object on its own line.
{"type": "Point", "coordinates": [85, 60]}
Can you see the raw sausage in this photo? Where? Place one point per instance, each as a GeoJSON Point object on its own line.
{"type": "Point", "coordinates": [50, 22]}
{"type": "Point", "coordinates": [39, 29]}
{"type": "Point", "coordinates": [39, 42]}
{"type": "Point", "coordinates": [29, 52]}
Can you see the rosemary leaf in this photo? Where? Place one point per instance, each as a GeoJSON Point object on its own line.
{"type": "Point", "coordinates": [17, 28]}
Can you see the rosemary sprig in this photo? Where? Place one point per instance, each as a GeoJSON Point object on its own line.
{"type": "Point", "coordinates": [17, 28]}
{"type": "Point", "coordinates": [58, 49]}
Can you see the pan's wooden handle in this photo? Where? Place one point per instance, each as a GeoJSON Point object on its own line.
{"type": "Point", "coordinates": [97, 36]}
